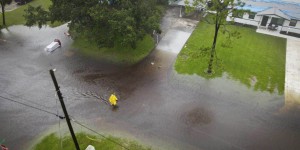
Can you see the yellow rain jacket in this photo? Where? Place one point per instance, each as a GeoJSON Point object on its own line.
{"type": "Point", "coordinates": [113, 100]}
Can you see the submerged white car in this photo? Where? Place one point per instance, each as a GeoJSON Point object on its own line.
{"type": "Point", "coordinates": [53, 46]}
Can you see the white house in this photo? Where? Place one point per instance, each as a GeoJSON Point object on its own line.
{"type": "Point", "coordinates": [280, 16]}
{"type": "Point", "coordinates": [182, 4]}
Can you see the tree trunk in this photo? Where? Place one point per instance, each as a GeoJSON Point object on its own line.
{"type": "Point", "coordinates": [213, 48]}
{"type": "Point", "coordinates": [3, 14]}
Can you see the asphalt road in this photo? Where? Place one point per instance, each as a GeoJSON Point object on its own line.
{"type": "Point", "coordinates": [157, 106]}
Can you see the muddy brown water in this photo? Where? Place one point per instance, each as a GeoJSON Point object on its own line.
{"type": "Point", "coordinates": [157, 106]}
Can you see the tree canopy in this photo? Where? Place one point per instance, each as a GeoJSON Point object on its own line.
{"type": "Point", "coordinates": [105, 22]}
{"type": "Point", "coordinates": [219, 10]}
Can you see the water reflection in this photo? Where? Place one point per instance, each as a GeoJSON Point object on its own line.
{"type": "Point", "coordinates": [262, 80]}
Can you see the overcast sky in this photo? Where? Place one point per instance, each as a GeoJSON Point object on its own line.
{"type": "Point", "coordinates": [290, 0]}
{"type": "Point", "coordinates": [293, 1]}
{"type": "Point", "coordinates": [298, 1]}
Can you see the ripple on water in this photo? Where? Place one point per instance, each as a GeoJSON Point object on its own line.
{"type": "Point", "coordinates": [4, 83]}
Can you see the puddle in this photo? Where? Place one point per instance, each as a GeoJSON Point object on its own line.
{"type": "Point", "coordinates": [197, 116]}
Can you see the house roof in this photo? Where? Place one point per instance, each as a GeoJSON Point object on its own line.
{"type": "Point", "coordinates": [280, 2]}
{"type": "Point", "coordinates": [274, 11]}
{"type": "Point", "coordinates": [254, 8]}
{"type": "Point", "coordinates": [288, 9]}
{"type": "Point", "coordinates": [293, 15]}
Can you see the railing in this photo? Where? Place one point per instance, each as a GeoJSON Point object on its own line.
{"type": "Point", "coordinates": [290, 29]}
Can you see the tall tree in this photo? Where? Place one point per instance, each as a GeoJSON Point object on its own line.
{"type": "Point", "coordinates": [219, 9]}
{"type": "Point", "coordinates": [3, 3]}
{"type": "Point", "coordinates": [105, 22]}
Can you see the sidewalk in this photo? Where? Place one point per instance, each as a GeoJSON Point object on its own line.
{"type": "Point", "coordinates": [292, 73]}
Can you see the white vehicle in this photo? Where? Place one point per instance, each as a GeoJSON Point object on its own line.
{"type": "Point", "coordinates": [90, 147]}
{"type": "Point", "coordinates": [53, 46]}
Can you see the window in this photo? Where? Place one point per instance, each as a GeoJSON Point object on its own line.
{"type": "Point", "coordinates": [277, 21]}
{"type": "Point", "coordinates": [280, 21]}
{"type": "Point", "coordinates": [252, 15]}
{"type": "Point", "coordinates": [293, 23]}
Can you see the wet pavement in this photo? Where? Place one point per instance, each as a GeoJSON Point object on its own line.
{"type": "Point", "coordinates": [178, 39]}
{"type": "Point", "coordinates": [157, 106]}
{"type": "Point", "coordinates": [292, 73]}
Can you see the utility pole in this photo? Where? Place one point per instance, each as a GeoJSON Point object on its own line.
{"type": "Point", "coordinates": [64, 109]}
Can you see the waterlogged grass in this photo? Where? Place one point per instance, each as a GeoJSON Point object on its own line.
{"type": "Point", "coordinates": [256, 60]}
{"type": "Point", "coordinates": [15, 17]}
{"type": "Point", "coordinates": [53, 142]}
{"type": "Point", "coordinates": [117, 54]}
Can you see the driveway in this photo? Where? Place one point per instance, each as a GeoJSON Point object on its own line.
{"type": "Point", "coordinates": [292, 74]}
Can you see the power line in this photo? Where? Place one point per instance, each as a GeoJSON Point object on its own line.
{"type": "Point", "coordinates": [22, 98]}
{"type": "Point", "coordinates": [62, 117]}
{"type": "Point", "coordinates": [113, 141]}
{"type": "Point", "coordinates": [46, 111]}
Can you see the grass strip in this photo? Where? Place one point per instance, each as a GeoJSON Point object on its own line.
{"type": "Point", "coordinates": [53, 142]}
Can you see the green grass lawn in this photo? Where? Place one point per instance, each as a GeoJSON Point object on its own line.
{"type": "Point", "coordinates": [255, 59]}
{"type": "Point", "coordinates": [117, 54]}
{"type": "Point", "coordinates": [52, 142]}
{"type": "Point", "coordinates": [15, 17]}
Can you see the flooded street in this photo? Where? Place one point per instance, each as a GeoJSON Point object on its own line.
{"type": "Point", "coordinates": [157, 106]}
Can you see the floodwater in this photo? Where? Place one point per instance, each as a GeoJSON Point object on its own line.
{"type": "Point", "coordinates": [157, 106]}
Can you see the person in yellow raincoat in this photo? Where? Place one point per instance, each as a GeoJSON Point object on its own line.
{"type": "Point", "coordinates": [113, 100]}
